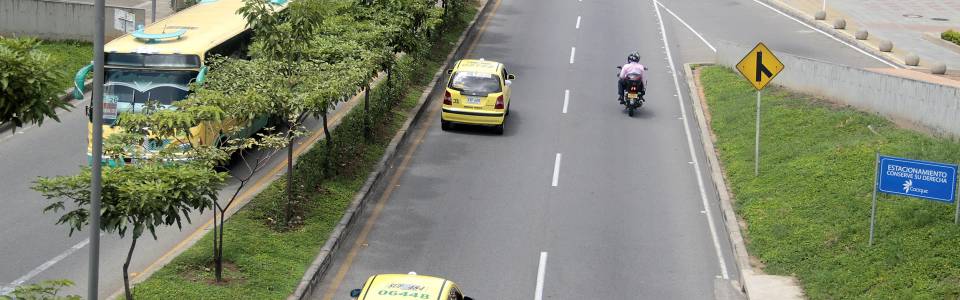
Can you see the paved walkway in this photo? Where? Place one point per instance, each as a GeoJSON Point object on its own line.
{"type": "Point", "coordinates": [903, 22]}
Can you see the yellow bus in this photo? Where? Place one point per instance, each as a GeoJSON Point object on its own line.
{"type": "Point", "coordinates": [159, 62]}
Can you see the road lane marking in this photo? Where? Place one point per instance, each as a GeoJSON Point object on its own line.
{"type": "Point", "coordinates": [573, 51]}
{"type": "Point", "coordinates": [578, 22]}
{"type": "Point", "coordinates": [693, 155]}
{"type": "Point", "coordinates": [556, 169]}
{"type": "Point", "coordinates": [688, 26]}
{"type": "Point", "coordinates": [566, 100]}
{"type": "Point", "coordinates": [541, 272]}
{"type": "Point", "coordinates": [828, 35]}
{"type": "Point", "coordinates": [368, 226]}
{"type": "Point", "coordinates": [43, 267]}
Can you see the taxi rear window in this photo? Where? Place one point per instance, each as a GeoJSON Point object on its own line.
{"type": "Point", "coordinates": [475, 83]}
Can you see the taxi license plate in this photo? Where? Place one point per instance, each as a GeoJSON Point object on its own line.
{"type": "Point", "coordinates": [473, 100]}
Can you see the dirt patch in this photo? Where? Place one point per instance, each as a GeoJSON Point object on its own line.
{"type": "Point", "coordinates": [205, 274]}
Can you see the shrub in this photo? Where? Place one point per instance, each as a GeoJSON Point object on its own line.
{"type": "Point", "coordinates": [951, 35]}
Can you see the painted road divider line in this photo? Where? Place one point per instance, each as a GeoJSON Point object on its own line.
{"type": "Point", "coordinates": [688, 26]}
{"type": "Point", "coordinates": [566, 100]}
{"type": "Point", "coordinates": [828, 35]}
{"type": "Point", "coordinates": [578, 22]}
{"type": "Point", "coordinates": [541, 272]}
{"type": "Point", "coordinates": [556, 169]}
{"type": "Point", "coordinates": [573, 52]}
{"type": "Point", "coordinates": [693, 155]}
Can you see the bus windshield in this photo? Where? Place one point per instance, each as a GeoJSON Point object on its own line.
{"type": "Point", "coordinates": [128, 87]}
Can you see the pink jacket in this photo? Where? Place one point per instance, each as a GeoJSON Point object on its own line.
{"type": "Point", "coordinates": [631, 68]}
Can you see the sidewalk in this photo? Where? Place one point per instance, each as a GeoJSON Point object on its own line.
{"type": "Point", "coordinates": [904, 23]}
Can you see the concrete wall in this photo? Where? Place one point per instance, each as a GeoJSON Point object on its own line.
{"type": "Point", "coordinates": [928, 105]}
{"type": "Point", "coordinates": [61, 20]}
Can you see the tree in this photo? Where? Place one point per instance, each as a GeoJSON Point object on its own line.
{"type": "Point", "coordinates": [152, 190]}
{"type": "Point", "coordinates": [279, 42]}
{"type": "Point", "coordinates": [28, 83]}
{"type": "Point", "coordinates": [46, 290]}
{"type": "Point", "coordinates": [235, 86]}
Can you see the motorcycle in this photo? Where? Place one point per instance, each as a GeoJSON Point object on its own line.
{"type": "Point", "coordinates": [633, 85]}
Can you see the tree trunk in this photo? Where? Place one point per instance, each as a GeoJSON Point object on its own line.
{"type": "Point", "coordinates": [219, 236]}
{"type": "Point", "coordinates": [289, 180]}
{"type": "Point", "coordinates": [328, 141]}
{"type": "Point", "coordinates": [126, 266]}
{"type": "Point", "coordinates": [216, 245]}
{"type": "Point", "coordinates": [366, 114]}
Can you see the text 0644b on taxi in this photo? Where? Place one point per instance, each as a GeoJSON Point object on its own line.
{"type": "Point", "coordinates": [478, 93]}
{"type": "Point", "coordinates": [410, 286]}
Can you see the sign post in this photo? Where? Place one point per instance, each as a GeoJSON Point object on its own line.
{"type": "Point", "coordinates": [914, 178]}
{"type": "Point", "coordinates": [873, 208]}
{"type": "Point", "coordinates": [759, 73]}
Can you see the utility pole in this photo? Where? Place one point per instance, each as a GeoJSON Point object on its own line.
{"type": "Point", "coordinates": [96, 157]}
{"type": "Point", "coordinates": [153, 12]}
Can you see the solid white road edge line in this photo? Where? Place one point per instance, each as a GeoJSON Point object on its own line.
{"type": "Point", "coordinates": [43, 267]}
{"type": "Point", "coordinates": [578, 22]}
{"type": "Point", "coordinates": [688, 26]}
{"type": "Point", "coordinates": [693, 155]}
{"type": "Point", "coordinates": [828, 35]}
{"type": "Point", "coordinates": [573, 51]}
{"type": "Point", "coordinates": [556, 170]}
{"type": "Point", "coordinates": [566, 100]}
{"type": "Point", "coordinates": [541, 272]}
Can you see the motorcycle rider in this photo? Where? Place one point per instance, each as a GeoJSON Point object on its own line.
{"type": "Point", "coordinates": [632, 66]}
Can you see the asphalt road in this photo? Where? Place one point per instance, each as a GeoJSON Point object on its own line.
{"type": "Point", "coordinates": [625, 220]}
{"type": "Point", "coordinates": [610, 207]}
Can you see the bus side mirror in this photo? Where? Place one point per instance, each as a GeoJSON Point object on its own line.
{"type": "Point", "coordinates": [202, 76]}
{"type": "Point", "coordinates": [355, 293]}
{"type": "Point", "coordinates": [78, 81]}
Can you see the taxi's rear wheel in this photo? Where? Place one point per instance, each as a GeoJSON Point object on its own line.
{"type": "Point", "coordinates": [498, 129]}
{"type": "Point", "coordinates": [445, 125]}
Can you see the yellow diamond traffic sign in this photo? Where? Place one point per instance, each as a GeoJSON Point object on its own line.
{"type": "Point", "coordinates": [760, 66]}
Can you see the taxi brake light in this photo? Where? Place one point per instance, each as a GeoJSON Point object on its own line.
{"type": "Point", "coordinates": [446, 98]}
{"type": "Point", "coordinates": [499, 102]}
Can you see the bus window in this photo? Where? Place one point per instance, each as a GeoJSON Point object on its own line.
{"type": "Point", "coordinates": [131, 88]}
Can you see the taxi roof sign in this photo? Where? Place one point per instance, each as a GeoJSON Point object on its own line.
{"type": "Point", "coordinates": [759, 66]}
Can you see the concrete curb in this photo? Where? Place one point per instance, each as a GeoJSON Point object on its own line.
{"type": "Point", "coordinates": [935, 38]}
{"type": "Point", "coordinates": [67, 96]}
{"type": "Point", "coordinates": [752, 284]}
{"type": "Point", "coordinates": [321, 263]}
{"type": "Point", "coordinates": [828, 28]}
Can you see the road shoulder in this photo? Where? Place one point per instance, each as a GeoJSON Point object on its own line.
{"type": "Point", "coordinates": [753, 282]}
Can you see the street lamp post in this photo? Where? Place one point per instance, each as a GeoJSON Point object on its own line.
{"type": "Point", "coordinates": [97, 155]}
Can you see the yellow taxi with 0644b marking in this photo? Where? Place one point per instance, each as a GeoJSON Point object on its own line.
{"type": "Point", "coordinates": [478, 93]}
{"type": "Point", "coordinates": [408, 286]}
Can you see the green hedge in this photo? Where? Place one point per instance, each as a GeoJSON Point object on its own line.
{"type": "Point", "coordinates": [951, 35]}
{"type": "Point", "coordinates": [808, 214]}
{"type": "Point", "coordinates": [264, 263]}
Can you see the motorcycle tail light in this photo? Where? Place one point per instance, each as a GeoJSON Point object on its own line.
{"type": "Point", "coordinates": [633, 89]}
{"type": "Point", "coordinates": [499, 102]}
{"type": "Point", "coordinates": [446, 98]}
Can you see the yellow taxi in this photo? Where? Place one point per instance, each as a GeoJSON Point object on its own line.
{"type": "Point", "coordinates": [478, 93]}
{"type": "Point", "coordinates": [407, 286]}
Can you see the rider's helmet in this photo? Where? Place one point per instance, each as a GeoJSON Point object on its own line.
{"type": "Point", "coordinates": [633, 58]}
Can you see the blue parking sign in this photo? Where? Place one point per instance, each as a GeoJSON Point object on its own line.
{"type": "Point", "coordinates": [916, 178]}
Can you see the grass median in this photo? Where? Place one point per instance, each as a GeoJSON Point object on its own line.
{"type": "Point", "coordinates": [808, 213]}
{"type": "Point", "coordinates": [70, 56]}
{"type": "Point", "coordinates": [262, 263]}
